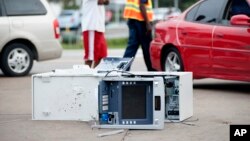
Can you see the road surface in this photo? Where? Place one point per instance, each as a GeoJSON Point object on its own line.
{"type": "Point", "coordinates": [217, 105]}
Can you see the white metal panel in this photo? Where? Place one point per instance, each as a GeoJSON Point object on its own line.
{"type": "Point", "coordinates": [64, 97]}
{"type": "Point", "coordinates": [185, 96]}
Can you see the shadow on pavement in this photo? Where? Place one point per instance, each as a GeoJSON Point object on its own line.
{"type": "Point", "coordinates": [230, 87]}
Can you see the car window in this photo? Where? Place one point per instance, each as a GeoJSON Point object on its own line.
{"type": "Point", "coordinates": [28, 7]}
{"type": "Point", "coordinates": [235, 7]}
{"type": "Point", "coordinates": [209, 11]}
{"type": "Point", "coordinates": [239, 7]}
{"type": "Point", "coordinates": [66, 13]}
{"type": "Point", "coordinates": [190, 15]}
{"type": "Point", "coordinates": [0, 10]}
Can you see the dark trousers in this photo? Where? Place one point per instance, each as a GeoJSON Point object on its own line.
{"type": "Point", "coordinates": [138, 36]}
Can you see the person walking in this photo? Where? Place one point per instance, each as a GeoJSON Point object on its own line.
{"type": "Point", "coordinates": [139, 15]}
{"type": "Point", "coordinates": [93, 28]}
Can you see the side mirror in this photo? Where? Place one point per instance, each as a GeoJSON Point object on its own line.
{"type": "Point", "coordinates": [240, 20]}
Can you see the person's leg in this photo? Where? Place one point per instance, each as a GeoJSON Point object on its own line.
{"type": "Point", "coordinates": [96, 63]}
{"type": "Point", "coordinates": [100, 50]}
{"type": "Point", "coordinates": [133, 42]}
{"type": "Point", "coordinates": [88, 41]}
{"type": "Point", "coordinates": [89, 63]}
{"type": "Point", "coordinates": [145, 39]}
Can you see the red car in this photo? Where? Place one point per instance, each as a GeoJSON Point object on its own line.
{"type": "Point", "coordinates": [210, 39]}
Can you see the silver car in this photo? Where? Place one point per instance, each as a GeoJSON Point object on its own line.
{"type": "Point", "coordinates": [70, 19]}
{"type": "Point", "coordinates": [28, 31]}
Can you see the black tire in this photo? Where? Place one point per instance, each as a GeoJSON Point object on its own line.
{"type": "Point", "coordinates": [172, 61]}
{"type": "Point", "coordinates": [16, 60]}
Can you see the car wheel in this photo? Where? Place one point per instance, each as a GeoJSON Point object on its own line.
{"type": "Point", "coordinates": [16, 60]}
{"type": "Point", "coordinates": [172, 61]}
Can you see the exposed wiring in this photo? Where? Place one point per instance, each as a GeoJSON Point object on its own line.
{"type": "Point", "coordinates": [126, 133]}
{"type": "Point", "coordinates": [185, 122]}
{"type": "Point", "coordinates": [131, 74]}
{"type": "Point", "coordinates": [111, 133]}
{"type": "Point", "coordinates": [192, 120]}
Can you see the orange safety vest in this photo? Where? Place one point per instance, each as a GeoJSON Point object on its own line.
{"type": "Point", "coordinates": [132, 10]}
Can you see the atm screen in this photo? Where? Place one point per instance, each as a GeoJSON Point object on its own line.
{"type": "Point", "coordinates": [134, 101]}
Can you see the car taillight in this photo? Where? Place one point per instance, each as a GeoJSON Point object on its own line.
{"type": "Point", "coordinates": [56, 28]}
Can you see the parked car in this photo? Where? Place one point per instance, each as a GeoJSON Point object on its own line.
{"type": "Point", "coordinates": [28, 31]}
{"type": "Point", "coordinates": [108, 16]}
{"type": "Point", "coordinates": [163, 13]}
{"type": "Point", "coordinates": [70, 19]}
{"type": "Point", "coordinates": [211, 39]}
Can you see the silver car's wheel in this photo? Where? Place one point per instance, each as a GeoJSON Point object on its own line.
{"type": "Point", "coordinates": [16, 60]}
{"type": "Point", "coordinates": [173, 62]}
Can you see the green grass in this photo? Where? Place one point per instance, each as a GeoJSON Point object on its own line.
{"type": "Point", "coordinates": [118, 43]}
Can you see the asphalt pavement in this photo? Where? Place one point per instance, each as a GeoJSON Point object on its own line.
{"type": "Point", "coordinates": [217, 105]}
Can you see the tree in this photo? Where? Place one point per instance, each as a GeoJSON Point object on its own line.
{"type": "Point", "coordinates": [69, 4]}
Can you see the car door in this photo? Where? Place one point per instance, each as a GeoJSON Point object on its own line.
{"type": "Point", "coordinates": [4, 26]}
{"type": "Point", "coordinates": [231, 48]}
{"type": "Point", "coordinates": [195, 35]}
